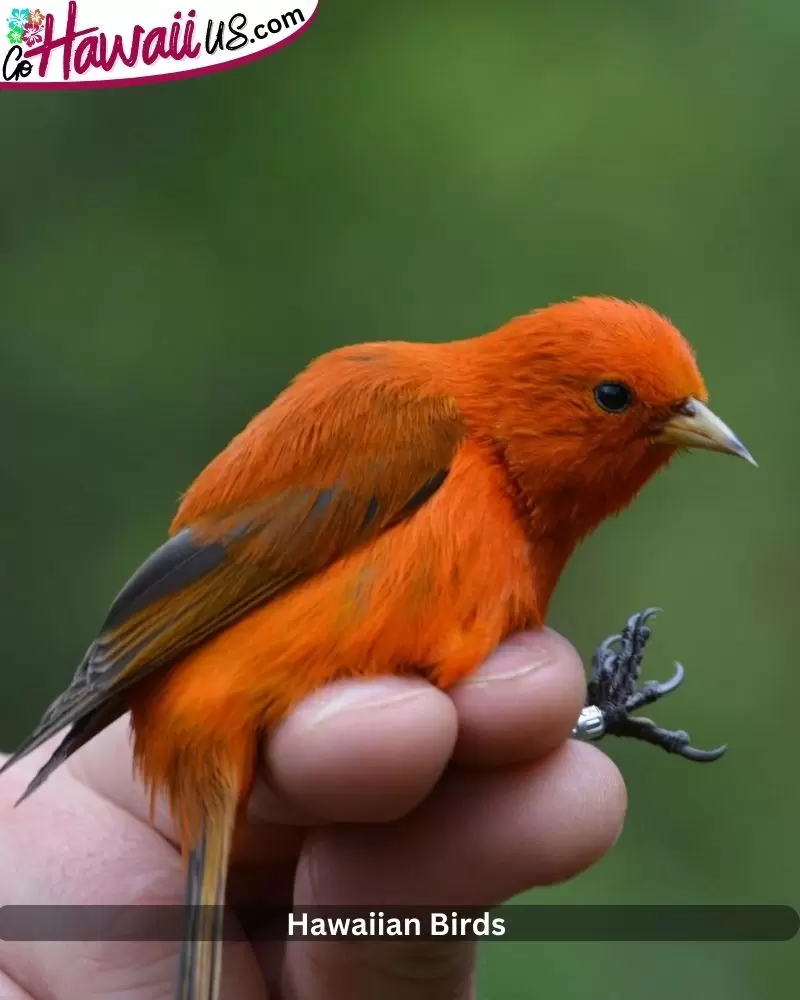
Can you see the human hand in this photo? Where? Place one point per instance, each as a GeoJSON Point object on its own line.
{"type": "Point", "coordinates": [381, 792]}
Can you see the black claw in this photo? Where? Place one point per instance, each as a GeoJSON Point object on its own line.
{"type": "Point", "coordinates": [606, 644]}
{"type": "Point", "coordinates": [653, 690]}
{"type": "Point", "coordinates": [650, 613]}
{"type": "Point", "coordinates": [612, 689]}
{"type": "Point", "coordinates": [703, 756]}
{"type": "Point", "coordinates": [675, 681]}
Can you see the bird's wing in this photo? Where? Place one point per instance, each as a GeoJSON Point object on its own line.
{"type": "Point", "coordinates": [356, 467]}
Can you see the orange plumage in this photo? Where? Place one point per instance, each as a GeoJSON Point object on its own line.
{"type": "Point", "coordinates": [399, 508]}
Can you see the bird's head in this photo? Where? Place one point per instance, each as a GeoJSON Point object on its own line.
{"type": "Point", "coordinates": [589, 398]}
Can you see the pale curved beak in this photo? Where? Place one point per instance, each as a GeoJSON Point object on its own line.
{"type": "Point", "coordinates": [697, 427]}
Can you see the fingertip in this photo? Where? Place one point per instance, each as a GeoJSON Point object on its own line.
{"type": "Point", "coordinates": [522, 702]}
{"type": "Point", "coordinates": [589, 801]}
{"type": "Point", "coordinates": [363, 751]}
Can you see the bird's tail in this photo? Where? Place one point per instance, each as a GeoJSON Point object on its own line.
{"type": "Point", "coordinates": [201, 948]}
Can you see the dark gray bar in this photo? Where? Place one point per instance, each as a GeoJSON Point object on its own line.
{"type": "Point", "coordinates": [502, 923]}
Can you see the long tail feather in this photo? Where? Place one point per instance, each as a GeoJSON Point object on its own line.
{"type": "Point", "coordinates": [201, 949]}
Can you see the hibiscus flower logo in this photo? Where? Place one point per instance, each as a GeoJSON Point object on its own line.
{"type": "Point", "coordinates": [36, 17]}
{"type": "Point", "coordinates": [15, 36]}
{"type": "Point", "coordinates": [32, 34]}
{"type": "Point", "coordinates": [19, 18]}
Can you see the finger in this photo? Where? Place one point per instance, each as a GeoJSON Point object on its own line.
{"type": "Point", "coordinates": [88, 852]}
{"type": "Point", "coordinates": [363, 751]}
{"type": "Point", "coordinates": [482, 837]}
{"type": "Point", "coordinates": [355, 750]}
{"type": "Point", "coordinates": [522, 702]}
{"type": "Point", "coordinates": [393, 734]}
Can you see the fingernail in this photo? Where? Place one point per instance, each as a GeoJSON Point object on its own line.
{"type": "Point", "coordinates": [360, 696]}
{"type": "Point", "coordinates": [514, 659]}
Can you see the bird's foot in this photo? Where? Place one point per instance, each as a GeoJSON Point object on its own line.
{"type": "Point", "coordinates": [613, 695]}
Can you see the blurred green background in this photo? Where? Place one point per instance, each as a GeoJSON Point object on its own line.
{"type": "Point", "coordinates": [172, 254]}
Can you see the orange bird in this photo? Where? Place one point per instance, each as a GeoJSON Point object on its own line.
{"type": "Point", "coordinates": [399, 508]}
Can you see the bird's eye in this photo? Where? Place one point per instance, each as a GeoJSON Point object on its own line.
{"type": "Point", "coordinates": [613, 396]}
